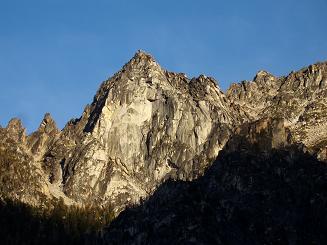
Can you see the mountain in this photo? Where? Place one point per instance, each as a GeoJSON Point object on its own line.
{"type": "Point", "coordinates": [145, 125]}
{"type": "Point", "coordinates": [173, 152]}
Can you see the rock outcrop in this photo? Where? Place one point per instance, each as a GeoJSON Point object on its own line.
{"type": "Point", "coordinates": [20, 178]}
{"type": "Point", "coordinates": [299, 99]}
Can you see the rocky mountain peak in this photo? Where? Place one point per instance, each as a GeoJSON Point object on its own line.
{"type": "Point", "coordinates": [142, 55]}
{"type": "Point", "coordinates": [145, 125]}
{"type": "Point", "coordinates": [16, 130]}
{"type": "Point", "coordinates": [141, 61]}
{"type": "Point", "coordinates": [48, 124]}
{"type": "Point", "coordinates": [312, 78]}
{"type": "Point", "coordinates": [15, 124]}
{"type": "Point", "coordinates": [264, 78]}
{"type": "Point", "coordinates": [39, 141]}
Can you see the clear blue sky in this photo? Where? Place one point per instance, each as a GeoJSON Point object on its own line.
{"type": "Point", "coordinates": [55, 53]}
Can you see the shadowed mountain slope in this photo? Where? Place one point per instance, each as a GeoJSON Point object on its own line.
{"type": "Point", "coordinates": [252, 194]}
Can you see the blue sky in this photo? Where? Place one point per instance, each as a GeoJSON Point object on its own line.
{"type": "Point", "coordinates": [55, 53]}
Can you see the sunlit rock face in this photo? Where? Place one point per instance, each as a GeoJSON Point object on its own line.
{"type": "Point", "coordinates": [144, 126]}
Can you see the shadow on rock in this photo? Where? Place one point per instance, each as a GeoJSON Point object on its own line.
{"type": "Point", "coordinates": [250, 195]}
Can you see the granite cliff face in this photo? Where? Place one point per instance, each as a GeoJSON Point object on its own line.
{"type": "Point", "coordinates": [147, 125]}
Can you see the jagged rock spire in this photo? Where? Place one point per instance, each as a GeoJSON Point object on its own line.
{"type": "Point", "coordinates": [264, 78]}
{"type": "Point", "coordinates": [39, 141]}
{"type": "Point", "coordinates": [143, 55]}
{"type": "Point", "coordinates": [142, 60]}
{"type": "Point", "coordinates": [48, 124]}
{"type": "Point", "coordinates": [16, 130]}
{"type": "Point", "coordinates": [15, 124]}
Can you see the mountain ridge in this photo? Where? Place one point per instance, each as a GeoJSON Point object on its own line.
{"type": "Point", "coordinates": [147, 125]}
